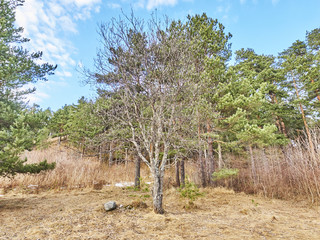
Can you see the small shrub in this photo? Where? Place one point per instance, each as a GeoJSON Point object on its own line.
{"type": "Point", "coordinates": [143, 185]}
{"type": "Point", "coordinates": [190, 191]}
{"type": "Point", "coordinates": [225, 173]}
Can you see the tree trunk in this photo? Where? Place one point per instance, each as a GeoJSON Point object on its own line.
{"type": "Point", "coordinates": [280, 123]}
{"type": "Point", "coordinates": [182, 173]}
{"type": "Point", "coordinates": [201, 161]}
{"type": "Point", "coordinates": [126, 157]}
{"type": "Point", "coordinates": [137, 172]}
{"type": "Point", "coordinates": [202, 170]}
{"type": "Point", "coordinates": [219, 156]}
{"type": "Point", "coordinates": [305, 122]}
{"type": "Point", "coordinates": [253, 166]}
{"type": "Point", "coordinates": [210, 154]}
{"type": "Point", "coordinates": [110, 154]}
{"type": "Point", "coordinates": [157, 192]}
{"type": "Point", "coordinates": [100, 154]}
{"type": "Point", "coordinates": [177, 173]}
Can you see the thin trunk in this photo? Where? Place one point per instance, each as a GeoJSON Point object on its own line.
{"type": "Point", "coordinates": [157, 192]}
{"type": "Point", "coordinates": [137, 172]}
{"type": "Point", "coordinates": [126, 157]}
{"type": "Point", "coordinates": [182, 173]}
{"type": "Point", "coordinates": [210, 154]}
{"type": "Point", "coordinates": [201, 160]}
{"type": "Point", "coordinates": [219, 156]}
{"type": "Point", "coordinates": [280, 124]}
{"type": "Point", "coordinates": [253, 166]}
{"type": "Point", "coordinates": [177, 173]}
{"type": "Point", "coordinates": [305, 122]}
{"type": "Point", "coordinates": [110, 154]}
{"type": "Point", "coordinates": [100, 153]}
{"type": "Point", "coordinates": [283, 127]}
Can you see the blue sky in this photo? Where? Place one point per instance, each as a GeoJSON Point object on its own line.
{"type": "Point", "coordinates": [66, 32]}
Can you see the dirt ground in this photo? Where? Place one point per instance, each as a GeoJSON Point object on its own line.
{"type": "Point", "coordinates": [219, 214]}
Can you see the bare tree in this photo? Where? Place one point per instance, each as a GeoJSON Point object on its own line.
{"type": "Point", "coordinates": [145, 69]}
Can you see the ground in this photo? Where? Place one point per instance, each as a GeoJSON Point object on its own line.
{"type": "Point", "coordinates": [218, 214]}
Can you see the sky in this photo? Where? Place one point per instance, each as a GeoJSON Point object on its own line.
{"type": "Point", "coordinates": [66, 31]}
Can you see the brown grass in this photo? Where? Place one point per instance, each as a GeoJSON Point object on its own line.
{"type": "Point", "coordinates": [287, 173]}
{"type": "Point", "coordinates": [71, 172]}
{"type": "Point", "coordinates": [220, 214]}
{"type": "Point", "coordinates": [71, 207]}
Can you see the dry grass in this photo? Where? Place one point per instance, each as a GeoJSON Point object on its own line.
{"type": "Point", "coordinates": [220, 214]}
{"type": "Point", "coordinates": [76, 212]}
{"type": "Point", "coordinates": [71, 171]}
{"type": "Point", "coordinates": [286, 173]}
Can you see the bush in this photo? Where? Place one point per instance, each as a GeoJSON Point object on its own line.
{"type": "Point", "coordinates": [190, 191]}
{"type": "Point", "coordinates": [225, 173]}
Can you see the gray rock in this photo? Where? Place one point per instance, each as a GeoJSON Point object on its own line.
{"type": "Point", "coordinates": [109, 206]}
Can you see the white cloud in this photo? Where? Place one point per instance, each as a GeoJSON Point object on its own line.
{"type": "Point", "coordinates": [114, 5]}
{"type": "Point", "coordinates": [147, 4]}
{"type": "Point", "coordinates": [223, 10]}
{"type": "Point", "coordinates": [157, 3]}
{"type": "Point", "coordinates": [37, 97]}
{"type": "Point", "coordinates": [80, 3]}
{"type": "Point", "coordinates": [68, 24]}
{"type": "Point", "coordinates": [139, 4]}
{"type": "Point", "coordinates": [64, 74]}
{"type": "Point", "coordinates": [275, 2]}
{"type": "Point", "coordinates": [49, 24]}
{"type": "Point", "coordinates": [242, 2]}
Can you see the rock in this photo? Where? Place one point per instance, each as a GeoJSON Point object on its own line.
{"type": "Point", "coordinates": [109, 206]}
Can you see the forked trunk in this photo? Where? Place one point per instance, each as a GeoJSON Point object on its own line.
{"type": "Point", "coordinates": [157, 192]}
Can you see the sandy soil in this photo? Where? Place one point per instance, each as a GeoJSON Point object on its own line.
{"type": "Point", "coordinates": [219, 214]}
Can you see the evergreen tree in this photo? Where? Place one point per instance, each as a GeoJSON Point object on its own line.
{"type": "Point", "coordinates": [17, 68]}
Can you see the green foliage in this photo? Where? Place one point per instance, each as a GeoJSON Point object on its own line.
{"type": "Point", "coordinates": [21, 128]}
{"type": "Point", "coordinates": [254, 203]}
{"type": "Point", "coordinates": [225, 173]}
{"type": "Point", "coordinates": [35, 167]}
{"type": "Point", "coordinates": [190, 191]}
{"type": "Point", "coordinates": [144, 187]}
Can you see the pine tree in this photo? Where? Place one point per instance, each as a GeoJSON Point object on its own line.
{"type": "Point", "coordinates": [17, 68]}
